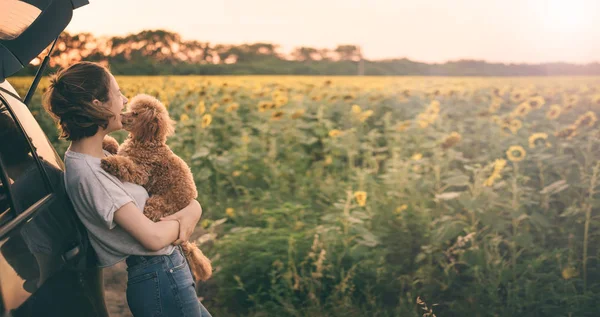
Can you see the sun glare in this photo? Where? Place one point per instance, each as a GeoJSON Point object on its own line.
{"type": "Point", "coordinates": [566, 16]}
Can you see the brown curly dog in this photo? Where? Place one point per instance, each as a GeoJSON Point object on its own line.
{"type": "Point", "coordinates": [145, 159]}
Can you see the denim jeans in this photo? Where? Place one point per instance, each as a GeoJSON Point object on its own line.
{"type": "Point", "coordinates": [162, 286]}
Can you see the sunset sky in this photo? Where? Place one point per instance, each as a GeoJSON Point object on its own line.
{"type": "Point", "coordinates": [531, 31]}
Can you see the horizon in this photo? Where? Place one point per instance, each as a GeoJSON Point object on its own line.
{"type": "Point", "coordinates": [507, 32]}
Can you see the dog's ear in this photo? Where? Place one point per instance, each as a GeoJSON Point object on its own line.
{"type": "Point", "coordinates": [169, 125]}
{"type": "Point", "coordinates": [148, 125]}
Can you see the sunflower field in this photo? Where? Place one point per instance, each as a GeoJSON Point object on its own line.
{"type": "Point", "coordinates": [395, 196]}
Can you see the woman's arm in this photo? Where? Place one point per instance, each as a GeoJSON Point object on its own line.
{"type": "Point", "coordinates": [154, 235]}
{"type": "Point", "coordinates": [187, 219]}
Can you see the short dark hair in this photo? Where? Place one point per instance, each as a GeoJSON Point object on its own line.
{"type": "Point", "coordinates": [69, 99]}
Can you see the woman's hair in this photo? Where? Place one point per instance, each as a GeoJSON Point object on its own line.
{"type": "Point", "coordinates": [69, 100]}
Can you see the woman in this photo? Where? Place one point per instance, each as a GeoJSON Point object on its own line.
{"type": "Point", "coordinates": [86, 101]}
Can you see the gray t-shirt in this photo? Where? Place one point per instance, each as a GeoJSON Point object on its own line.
{"type": "Point", "coordinates": [96, 195]}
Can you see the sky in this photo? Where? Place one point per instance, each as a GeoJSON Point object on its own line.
{"type": "Point", "coordinates": [508, 31]}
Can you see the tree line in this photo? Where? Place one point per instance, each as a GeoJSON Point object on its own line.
{"type": "Point", "coordinates": [160, 52]}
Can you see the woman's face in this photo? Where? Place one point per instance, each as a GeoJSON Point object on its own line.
{"type": "Point", "coordinates": [116, 102]}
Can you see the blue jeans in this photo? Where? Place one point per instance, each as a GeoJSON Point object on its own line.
{"type": "Point", "coordinates": [162, 286]}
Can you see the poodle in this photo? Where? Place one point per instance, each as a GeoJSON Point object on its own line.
{"type": "Point", "coordinates": [145, 159]}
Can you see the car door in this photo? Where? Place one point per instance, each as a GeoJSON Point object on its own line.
{"type": "Point", "coordinates": [46, 266]}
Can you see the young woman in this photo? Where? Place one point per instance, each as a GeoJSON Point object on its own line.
{"type": "Point", "coordinates": [86, 101]}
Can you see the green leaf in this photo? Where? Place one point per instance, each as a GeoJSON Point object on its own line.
{"type": "Point", "coordinates": [539, 220]}
{"type": "Point", "coordinates": [447, 196]}
{"type": "Point", "coordinates": [458, 180]}
{"type": "Point", "coordinates": [555, 187]}
{"type": "Point", "coordinates": [202, 152]}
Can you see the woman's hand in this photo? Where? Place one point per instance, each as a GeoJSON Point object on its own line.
{"type": "Point", "coordinates": [188, 217]}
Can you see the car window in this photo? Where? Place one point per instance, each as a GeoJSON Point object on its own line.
{"type": "Point", "coordinates": [38, 138]}
{"type": "Point", "coordinates": [26, 182]}
{"type": "Point", "coordinates": [4, 200]}
{"type": "Point", "coordinates": [16, 17]}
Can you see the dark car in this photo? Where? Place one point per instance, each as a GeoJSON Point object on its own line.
{"type": "Point", "coordinates": [47, 267]}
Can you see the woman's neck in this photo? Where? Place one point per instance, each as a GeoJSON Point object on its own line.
{"type": "Point", "coordinates": [90, 145]}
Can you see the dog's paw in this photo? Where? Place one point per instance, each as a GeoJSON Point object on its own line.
{"type": "Point", "coordinates": [111, 166]}
{"type": "Point", "coordinates": [110, 144]}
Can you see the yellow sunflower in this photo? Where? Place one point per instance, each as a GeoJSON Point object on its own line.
{"type": "Point", "coordinates": [499, 165]}
{"type": "Point", "coordinates": [214, 107]}
{"type": "Point", "coordinates": [536, 137]}
{"type": "Point", "coordinates": [416, 156]}
{"type": "Point", "coordinates": [516, 153]}
{"type": "Point", "coordinates": [587, 119]}
{"type": "Point", "coordinates": [568, 132]}
{"type": "Point", "coordinates": [206, 120]}
{"type": "Point", "coordinates": [184, 117]}
{"type": "Point", "coordinates": [201, 108]}
{"type": "Point", "coordinates": [365, 115]}
{"type": "Point", "coordinates": [356, 109]}
{"type": "Point", "coordinates": [403, 125]}
{"type": "Point", "coordinates": [335, 133]}
{"type": "Point", "coordinates": [361, 198]}
{"type": "Point", "coordinates": [522, 110]}
{"type": "Point", "coordinates": [226, 99]}
{"type": "Point", "coordinates": [554, 112]}
{"type": "Point", "coordinates": [277, 115]}
{"type": "Point", "coordinates": [232, 107]}
{"type": "Point", "coordinates": [230, 212]}
{"type": "Point", "coordinates": [515, 125]}
{"type": "Point", "coordinates": [298, 113]}
{"type": "Point", "coordinates": [536, 102]}
{"type": "Point", "coordinates": [451, 140]}
{"type": "Point", "coordinates": [263, 106]}
{"type": "Point", "coordinates": [518, 96]}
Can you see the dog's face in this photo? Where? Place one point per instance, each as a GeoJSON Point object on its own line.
{"type": "Point", "coordinates": [147, 119]}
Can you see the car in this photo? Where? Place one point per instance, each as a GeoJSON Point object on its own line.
{"type": "Point", "coordinates": [47, 266]}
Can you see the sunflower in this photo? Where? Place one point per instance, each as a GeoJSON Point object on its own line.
{"type": "Point", "coordinates": [596, 100]}
{"type": "Point", "coordinates": [356, 109]}
{"type": "Point", "coordinates": [400, 209]}
{"type": "Point", "coordinates": [515, 125]}
{"type": "Point", "coordinates": [518, 96]}
{"type": "Point", "coordinates": [498, 166]}
{"type": "Point", "coordinates": [403, 125]}
{"type": "Point", "coordinates": [232, 107]}
{"type": "Point", "coordinates": [570, 100]}
{"type": "Point", "coordinates": [281, 101]}
{"type": "Point", "coordinates": [298, 113]}
{"type": "Point", "coordinates": [451, 140]}
{"type": "Point", "coordinates": [328, 160]}
{"type": "Point", "coordinates": [277, 115]}
{"type": "Point", "coordinates": [416, 156]}
{"type": "Point", "coordinates": [568, 132]}
{"type": "Point", "coordinates": [522, 110]}
{"type": "Point", "coordinates": [230, 212]}
{"type": "Point", "coordinates": [206, 120]}
{"type": "Point", "coordinates": [263, 106]}
{"type": "Point", "coordinates": [214, 107]}
{"type": "Point", "coordinates": [365, 115]}
{"type": "Point", "coordinates": [201, 108]}
{"type": "Point", "coordinates": [226, 99]}
{"type": "Point", "coordinates": [516, 153]}
{"type": "Point", "coordinates": [534, 138]}
{"type": "Point", "coordinates": [554, 112]}
{"type": "Point", "coordinates": [536, 102]}
{"type": "Point", "coordinates": [494, 107]}
{"type": "Point", "coordinates": [184, 117]}
{"type": "Point", "coordinates": [587, 119]}
{"type": "Point", "coordinates": [335, 133]}
{"type": "Point", "coordinates": [361, 198]}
